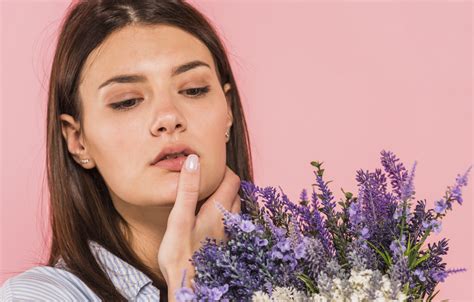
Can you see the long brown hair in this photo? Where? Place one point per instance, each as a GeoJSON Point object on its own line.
{"type": "Point", "coordinates": [81, 208]}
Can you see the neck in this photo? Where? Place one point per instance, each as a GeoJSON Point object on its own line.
{"type": "Point", "coordinates": [147, 225]}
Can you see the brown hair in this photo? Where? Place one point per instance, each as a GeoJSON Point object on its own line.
{"type": "Point", "coordinates": [81, 208]}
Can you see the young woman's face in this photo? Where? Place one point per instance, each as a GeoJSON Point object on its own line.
{"type": "Point", "coordinates": [166, 108]}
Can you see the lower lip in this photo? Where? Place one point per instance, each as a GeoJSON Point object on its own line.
{"type": "Point", "coordinates": [172, 164]}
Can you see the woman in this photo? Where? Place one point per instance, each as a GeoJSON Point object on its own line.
{"type": "Point", "coordinates": [136, 89]}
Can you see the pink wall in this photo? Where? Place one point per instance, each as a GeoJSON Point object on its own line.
{"type": "Point", "coordinates": [336, 81]}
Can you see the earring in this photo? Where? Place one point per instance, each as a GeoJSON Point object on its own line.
{"type": "Point", "coordinates": [84, 161]}
{"type": "Point", "coordinates": [227, 134]}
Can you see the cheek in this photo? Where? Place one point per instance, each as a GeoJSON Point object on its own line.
{"type": "Point", "coordinates": [115, 144]}
{"type": "Point", "coordinates": [117, 158]}
{"type": "Point", "coordinates": [213, 163]}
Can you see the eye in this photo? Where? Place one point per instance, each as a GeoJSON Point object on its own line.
{"type": "Point", "coordinates": [198, 91]}
{"type": "Point", "coordinates": [125, 105]}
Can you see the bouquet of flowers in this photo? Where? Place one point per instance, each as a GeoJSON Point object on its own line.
{"type": "Point", "coordinates": [370, 247]}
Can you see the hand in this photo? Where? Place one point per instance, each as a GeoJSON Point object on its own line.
{"type": "Point", "coordinates": [185, 231]}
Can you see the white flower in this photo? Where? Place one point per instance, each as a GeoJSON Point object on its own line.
{"type": "Point", "coordinates": [358, 285]}
{"type": "Point", "coordinates": [318, 298]}
{"type": "Point", "coordinates": [287, 294]}
{"type": "Point", "coordinates": [260, 296]}
{"type": "Point", "coordinates": [354, 289]}
{"type": "Point", "coordinates": [280, 294]}
{"type": "Point", "coordinates": [359, 281]}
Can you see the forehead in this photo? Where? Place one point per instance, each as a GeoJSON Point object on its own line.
{"type": "Point", "coordinates": [136, 48]}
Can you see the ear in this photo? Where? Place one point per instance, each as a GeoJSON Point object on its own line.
{"type": "Point", "coordinates": [227, 88]}
{"type": "Point", "coordinates": [71, 131]}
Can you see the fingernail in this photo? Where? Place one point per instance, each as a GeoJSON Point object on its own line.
{"type": "Point", "coordinates": [192, 162]}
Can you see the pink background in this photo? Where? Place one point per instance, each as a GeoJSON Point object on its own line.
{"type": "Point", "coordinates": [335, 81]}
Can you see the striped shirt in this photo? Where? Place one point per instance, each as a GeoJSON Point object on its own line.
{"type": "Point", "coordinates": [45, 283]}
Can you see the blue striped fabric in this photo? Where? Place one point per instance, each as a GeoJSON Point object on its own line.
{"type": "Point", "coordinates": [45, 283]}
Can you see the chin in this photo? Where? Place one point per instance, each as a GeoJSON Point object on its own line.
{"type": "Point", "coordinates": [161, 203]}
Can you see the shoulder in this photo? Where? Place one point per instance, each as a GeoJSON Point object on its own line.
{"type": "Point", "coordinates": [45, 283]}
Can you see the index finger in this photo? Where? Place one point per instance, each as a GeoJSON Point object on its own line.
{"type": "Point", "coordinates": [182, 216]}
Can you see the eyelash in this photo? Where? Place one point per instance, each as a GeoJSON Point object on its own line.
{"type": "Point", "coordinates": [119, 106]}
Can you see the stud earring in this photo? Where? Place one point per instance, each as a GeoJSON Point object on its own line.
{"type": "Point", "coordinates": [84, 161]}
{"type": "Point", "coordinates": [227, 135]}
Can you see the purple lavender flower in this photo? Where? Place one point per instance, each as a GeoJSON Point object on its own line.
{"type": "Point", "coordinates": [273, 205]}
{"type": "Point", "coordinates": [455, 191]}
{"type": "Point", "coordinates": [283, 245]}
{"type": "Point", "coordinates": [436, 225]}
{"type": "Point", "coordinates": [213, 293]}
{"type": "Point", "coordinates": [272, 242]}
{"type": "Point", "coordinates": [249, 198]}
{"type": "Point", "coordinates": [420, 221]}
{"type": "Point", "coordinates": [276, 254]}
{"type": "Point", "coordinates": [357, 257]}
{"type": "Point", "coordinates": [326, 195]}
{"type": "Point", "coordinates": [397, 247]}
{"type": "Point", "coordinates": [356, 217]}
{"type": "Point", "coordinates": [377, 207]}
{"type": "Point", "coordinates": [289, 258]}
{"type": "Point", "coordinates": [455, 270]}
{"type": "Point", "coordinates": [439, 276]}
{"type": "Point", "coordinates": [426, 224]}
{"type": "Point", "coordinates": [300, 250]}
{"type": "Point", "coordinates": [232, 219]}
{"type": "Point", "coordinates": [364, 233]}
{"type": "Point", "coordinates": [407, 187]}
{"type": "Point", "coordinates": [440, 206]}
{"type": "Point", "coordinates": [396, 171]}
{"type": "Point", "coordinates": [318, 225]}
{"type": "Point", "coordinates": [307, 218]}
{"type": "Point", "coordinates": [304, 195]}
{"type": "Point", "coordinates": [243, 263]}
{"type": "Point", "coordinates": [399, 271]}
{"type": "Point", "coordinates": [460, 182]}
{"type": "Point", "coordinates": [434, 266]}
{"type": "Point", "coordinates": [355, 213]}
{"type": "Point", "coordinates": [403, 210]}
{"type": "Point", "coordinates": [420, 274]}
{"type": "Point", "coordinates": [394, 246]}
{"type": "Point", "coordinates": [247, 226]}
{"type": "Point", "coordinates": [261, 242]}
{"type": "Point", "coordinates": [184, 294]}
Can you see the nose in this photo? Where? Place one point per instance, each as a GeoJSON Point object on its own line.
{"type": "Point", "coordinates": [168, 120]}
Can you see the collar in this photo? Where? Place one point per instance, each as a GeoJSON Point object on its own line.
{"type": "Point", "coordinates": [126, 278]}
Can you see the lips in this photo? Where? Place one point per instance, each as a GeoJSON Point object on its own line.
{"type": "Point", "coordinates": [170, 149]}
{"type": "Point", "coordinates": [172, 164]}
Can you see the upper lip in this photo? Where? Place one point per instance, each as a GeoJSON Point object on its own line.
{"type": "Point", "coordinates": [170, 149]}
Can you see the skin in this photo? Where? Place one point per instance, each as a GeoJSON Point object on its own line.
{"type": "Point", "coordinates": [122, 144]}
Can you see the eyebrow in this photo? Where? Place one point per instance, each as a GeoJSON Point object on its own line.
{"type": "Point", "coordinates": [137, 78]}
